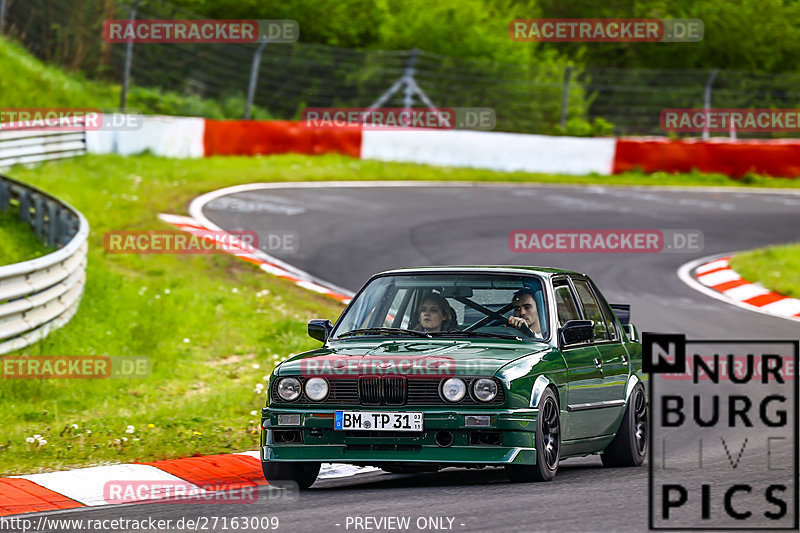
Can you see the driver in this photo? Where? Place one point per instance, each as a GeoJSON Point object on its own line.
{"type": "Point", "coordinates": [526, 315]}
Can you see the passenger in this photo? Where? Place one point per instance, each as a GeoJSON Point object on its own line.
{"type": "Point", "coordinates": [526, 314]}
{"type": "Point", "coordinates": [435, 314]}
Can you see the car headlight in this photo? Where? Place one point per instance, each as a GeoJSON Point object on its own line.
{"type": "Point", "coordinates": [289, 389]}
{"type": "Point", "coordinates": [316, 389]}
{"type": "Point", "coordinates": [484, 389]}
{"type": "Point", "coordinates": [454, 389]}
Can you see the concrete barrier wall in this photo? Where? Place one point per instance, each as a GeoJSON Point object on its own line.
{"type": "Point", "coordinates": [492, 150]}
{"type": "Point", "coordinates": [732, 158]}
{"type": "Point", "coordinates": [180, 137]}
{"type": "Point", "coordinates": [197, 137]}
{"type": "Point", "coordinates": [262, 137]}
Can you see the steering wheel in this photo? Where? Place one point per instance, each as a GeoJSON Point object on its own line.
{"type": "Point", "coordinates": [525, 330]}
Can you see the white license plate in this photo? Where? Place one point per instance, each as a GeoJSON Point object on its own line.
{"type": "Point", "coordinates": [376, 421]}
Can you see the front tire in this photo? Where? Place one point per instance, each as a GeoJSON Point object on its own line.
{"type": "Point", "coordinates": [629, 446]}
{"type": "Point", "coordinates": [281, 475]}
{"type": "Point", "coordinates": [548, 444]}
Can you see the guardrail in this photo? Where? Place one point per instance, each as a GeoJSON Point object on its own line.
{"type": "Point", "coordinates": [26, 146]}
{"type": "Point", "coordinates": [42, 294]}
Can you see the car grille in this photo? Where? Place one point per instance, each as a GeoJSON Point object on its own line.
{"type": "Point", "coordinates": [371, 391]}
{"type": "Point", "coordinates": [382, 391]}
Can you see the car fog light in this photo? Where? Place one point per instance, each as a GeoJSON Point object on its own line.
{"type": "Point", "coordinates": [484, 389]}
{"type": "Point", "coordinates": [289, 420]}
{"type": "Point", "coordinates": [316, 389]}
{"type": "Point", "coordinates": [454, 390]}
{"type": "Point", "coordinates": [289, 389]}
{"type": "Point", "coordinates": [477, 421]}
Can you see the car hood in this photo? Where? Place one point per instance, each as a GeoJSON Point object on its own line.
{"type": "Point", "coordinates": [414, 358]}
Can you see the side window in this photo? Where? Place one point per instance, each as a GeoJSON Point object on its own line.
{"type": "Point", "coordinates": [610, 322]}
{"type": "Point", "coordinates": [591, 310]}
{"type": "Point", "coordinates": [565, 303]}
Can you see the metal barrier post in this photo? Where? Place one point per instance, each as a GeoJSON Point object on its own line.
{"type": "Point", "coordinates": [126, 73]}
{"type": "Point", "coordinates": [707, 99]}
{"type": "Point", "coordinates": [565, 96]}
{"type": "Point", "coordinates": [2, 15]}
{"type": "Point", "coordinates": [251, 89]}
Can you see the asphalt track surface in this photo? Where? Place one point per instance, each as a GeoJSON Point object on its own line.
{"type": "Point", "coordinates": [347, 234]}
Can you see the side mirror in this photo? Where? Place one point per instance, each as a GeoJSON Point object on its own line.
{"type": "Point", "coordinates": [575, 331]}
{"type": "Point", "coordinates": [320, 329]}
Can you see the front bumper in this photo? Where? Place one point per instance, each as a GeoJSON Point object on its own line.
{"type": "Point", "coordinates": [510, 438]}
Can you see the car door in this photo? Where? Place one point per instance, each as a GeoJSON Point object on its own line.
{"type": "Point", "coordinates": [583, 370]}
{"type": "Point", "coordinates": [613, 356]}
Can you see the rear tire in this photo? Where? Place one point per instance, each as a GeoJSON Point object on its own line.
{"type": "Point", "coordinates": [548, 444]}
{"type": "Point", "coordinates": [629, 446]}
{"type": "Point", "coordinates": [282, 475]}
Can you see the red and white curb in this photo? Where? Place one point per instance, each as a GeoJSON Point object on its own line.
{"type": "Point", "coordinates": [714, 277]}
{"type": "Point", "coordinates": [143, 482]}
{"type": "Point", "coordinates": [267, 263]}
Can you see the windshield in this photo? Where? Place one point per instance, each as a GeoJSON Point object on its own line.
{"type": "Point", "coordinates": [451, 305]}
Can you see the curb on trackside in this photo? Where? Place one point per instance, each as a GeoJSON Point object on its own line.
{"type": "Point", "coordinates": [86, 487]}
{"type": "Point", "coordinates": [713, 276]}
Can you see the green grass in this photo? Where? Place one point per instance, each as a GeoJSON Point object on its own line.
{"type": "Point", "coordinates": [777, 268]}
{"type": "Point", "coordinates": [35, 84]}
{"type": "Point", "coordinates": [233, 316]}
{"type": "Point", "coordinates": [17, 241]}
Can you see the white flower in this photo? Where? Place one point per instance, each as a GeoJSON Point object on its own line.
{"type": "Point", "coordinates": [88, 431]}
{"type": "Point", "coordinates": [266, 378]}
{"type": "Point", "coordinates": [42, 442]}
{"type": "Point", "coordinates": [186, 340]}
{"type": "Point", "coordinates": [74, 426]}
{"type": "Point", "coordinates": [259, 388]}
{"type": "Point", "coordinates": [166, 291]}
{"type": "Point", "coordinates": [253, 413]}
{"type": "Point", "coordinates": [124, 439]}
{"type": "Point", "coordinates": [252, 422]}
{"type": "Point", "coordinates": [129, 429]}
{"type": "Point", "coordinates": [37, 437]}
{"type": "Point", "coordinates": [256, 366]}
{"type": "Point", "coordinates": [157, 296]}
{"type": "Point", "coordinates": [30, 440]}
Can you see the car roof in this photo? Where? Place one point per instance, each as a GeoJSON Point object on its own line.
{"type": "Point", "coordinates": [488, 269]}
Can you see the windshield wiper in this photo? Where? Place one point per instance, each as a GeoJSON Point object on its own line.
{"type": "Point", "coordinates": [400, 331]}
{"type": "Point", "coordinates": [474, 334]}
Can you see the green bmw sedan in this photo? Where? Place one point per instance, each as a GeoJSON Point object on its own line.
{"type": "Point", "coordinates": [473, 367]}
